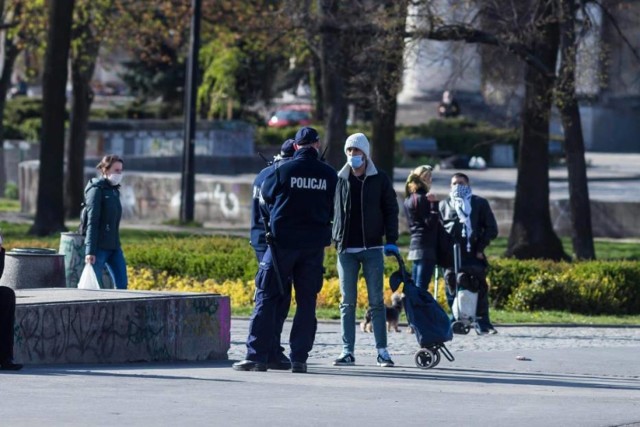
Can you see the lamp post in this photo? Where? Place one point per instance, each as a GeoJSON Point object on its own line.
{"type": "Point", "coordinates": [191, 88]}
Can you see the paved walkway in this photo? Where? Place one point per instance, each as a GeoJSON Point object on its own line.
{"type": "Point", "coordinates": [575, 377]}
{"type": "Point", "coordinates": [611, 177]}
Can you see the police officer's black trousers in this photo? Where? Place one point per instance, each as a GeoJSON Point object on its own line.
{"type": "Point", "coordinates": [277, 351]}
{"type": "Point", "coordinates": [304, 267]}
{"type": "Point", "coordinates": [7, 315]}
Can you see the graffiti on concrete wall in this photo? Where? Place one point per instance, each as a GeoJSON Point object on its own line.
{"type": "Point", "coordinates": [67, 333]}
{"type": "Point", "coordinates": [122, 330]}
{"type": "Point", "coordinates": [227, 202]}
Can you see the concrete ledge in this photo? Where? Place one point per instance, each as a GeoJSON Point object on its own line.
{"type": "Point", "coordinates": [56, 326]}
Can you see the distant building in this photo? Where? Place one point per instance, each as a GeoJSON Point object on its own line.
{"type": "Point", "coordinates": [488, 83]}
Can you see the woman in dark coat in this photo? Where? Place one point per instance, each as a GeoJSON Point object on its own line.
{"type": "Point", "coordinates": [102, 201]}
{"type": "Point", "coordinates": [421, 209]}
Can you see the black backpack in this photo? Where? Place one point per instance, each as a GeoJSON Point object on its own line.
{"type": "Point", "coordinates": [84, 218]}
{"type": "Point", "coordinates": [84, 215]}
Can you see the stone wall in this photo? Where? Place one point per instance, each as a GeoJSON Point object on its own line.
{"type": "Point", "coordinates": [109, 328]}
{"type": "Point", "coordinates": [149, 196]}
{"type": "Point", "coordinates": [226, 201]}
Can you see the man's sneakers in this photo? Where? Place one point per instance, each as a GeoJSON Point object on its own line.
{"type": "Point", "coordinates": [348, 360]}
{"type": "Point", "coordinates": [384, 359]}
{"type": "Point", "coordinates": [345, 360]}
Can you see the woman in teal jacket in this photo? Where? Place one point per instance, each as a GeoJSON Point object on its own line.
{"type": "Point", "coordinates": [102, 242]}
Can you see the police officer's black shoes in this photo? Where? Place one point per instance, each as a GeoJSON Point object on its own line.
{"type": "Point", "coordinates": [299, 367]}
{"type": "Point", "coordinates": [283, 364]}
{"type": "Point", "coordinates": [249, 365]}
{"type": "Point", "coordinates": [8, 365]}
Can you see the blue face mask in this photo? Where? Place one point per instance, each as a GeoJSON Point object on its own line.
{"type": "Point", "coordinates": [355, 161]}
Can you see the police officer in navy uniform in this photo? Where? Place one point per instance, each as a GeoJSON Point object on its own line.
{"type": "Point", "coordinates": [257, 239]}
{"type": "Point", "coordinates": [277, 360]}
{"type": "Point", "coordinates": [300, 196]}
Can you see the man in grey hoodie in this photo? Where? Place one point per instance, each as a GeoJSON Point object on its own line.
{"type": "Point", "coordinates": [365, 213]}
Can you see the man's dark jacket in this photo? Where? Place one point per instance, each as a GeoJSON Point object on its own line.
{"type": "Point", "coordinates": [379, 208]}
{"type": "Point", "coordinates": [484, 225]}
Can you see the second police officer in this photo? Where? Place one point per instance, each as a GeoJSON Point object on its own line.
{"type": "Point", "coordinates": [277, 359]}
{"type": "Point", "coordinates": [300, 196]}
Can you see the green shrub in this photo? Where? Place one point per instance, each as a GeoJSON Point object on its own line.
{"type": "Point", "coordinates": [220, 258]}
{"type": "Point", "coordinates": [507, 274]}
{"type": "Point", "coordinates": [595, 287]}
{"type": "Point", "coordinates": [461, 136]}
{"type": "Point", "coordinates": [23, 119]}
{"type": "Point", "coordinates": [544, 292]}
{"type": "Point", "coordinates": [11, 191]}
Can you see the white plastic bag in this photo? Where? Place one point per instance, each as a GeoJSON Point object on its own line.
{"type": "Point", "coordinates": [464, 305]}
{"type": "Point", "coordinates": [88, 279]}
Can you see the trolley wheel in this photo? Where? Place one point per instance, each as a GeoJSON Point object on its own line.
{"type": "Point", "coordinates": [425, 358]}
{"type": "Point", "coordinates": [436, 354]}
{"type": "Point", "coordinates": [460, 328]}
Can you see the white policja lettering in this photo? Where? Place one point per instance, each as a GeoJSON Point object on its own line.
{"type": "Point", "coordinates": [309, 183]}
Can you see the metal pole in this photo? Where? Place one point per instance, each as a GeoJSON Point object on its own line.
{"type": "Point", "coordinates": [191, 87]}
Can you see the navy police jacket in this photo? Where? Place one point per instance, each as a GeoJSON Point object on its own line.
{"type": "Point", "coordinates": [257, 239]}
{"type": "Point", "coordinates": [300, 195]}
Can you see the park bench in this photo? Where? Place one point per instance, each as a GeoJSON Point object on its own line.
{"type": "Point", "coordinates": [422, 147]}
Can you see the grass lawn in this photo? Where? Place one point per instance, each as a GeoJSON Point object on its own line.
{"type": "Point", "coordinates": [9, 205]}
{"type": "Point", "coordinates": [16, 235]}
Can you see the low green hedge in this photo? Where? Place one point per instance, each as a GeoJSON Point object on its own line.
{"type": "Point", "coordinates": [593, 287]}
{"type": "Point", "coordinates": [461, 136]}
{"type": "Point", "coordinates": [220, 258]}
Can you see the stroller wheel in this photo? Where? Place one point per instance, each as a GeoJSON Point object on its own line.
{"type": "Point", "coordinates": [425, 358]}
{"type": "Point", "coordinates": [460, 328]}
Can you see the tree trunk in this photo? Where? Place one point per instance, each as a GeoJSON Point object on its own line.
{"type": "Point", "coordinates": [50, 203]}
{"type": "Point", "coordinates": [10, 55]}
{"type": "Point", "coordinates": [386, 87]}
{"type": "Point", "coordinates": [532, 235]}
{"type": "Point", "coordinates": [582, 237]}
{"type": "Point", "coordinates": [315, 73]}
{"type": "Point", "coordinates": [333, 88]}
{"type": "Point", "coordinates": [82, 68]}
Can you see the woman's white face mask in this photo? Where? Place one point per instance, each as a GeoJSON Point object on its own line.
{"type": "Point", "coordinates": [114, 178]}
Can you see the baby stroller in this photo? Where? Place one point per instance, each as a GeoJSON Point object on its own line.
{"type": "Point", "coordinates": [429, 321]}
{"type": "Point", "coordinates": [465, 285]}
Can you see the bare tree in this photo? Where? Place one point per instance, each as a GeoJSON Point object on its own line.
{"type": "Point", "coordinates": [11, 51]}
{"type": "Point", "coordinates": [532, 234]}
{"type": "Point", "coordinates": [567, 104]}
{"type": "Point", "coordinates": [92, 19]}
{"type": "Point", "coordinates": [334, 85]}
{"type": "Point", "coordinates": [387, 66]}
{"type": "Point", "coordinates": [50, 203]}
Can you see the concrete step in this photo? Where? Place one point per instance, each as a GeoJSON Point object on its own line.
{"type": "Point", "coordinates": [58, 326]}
